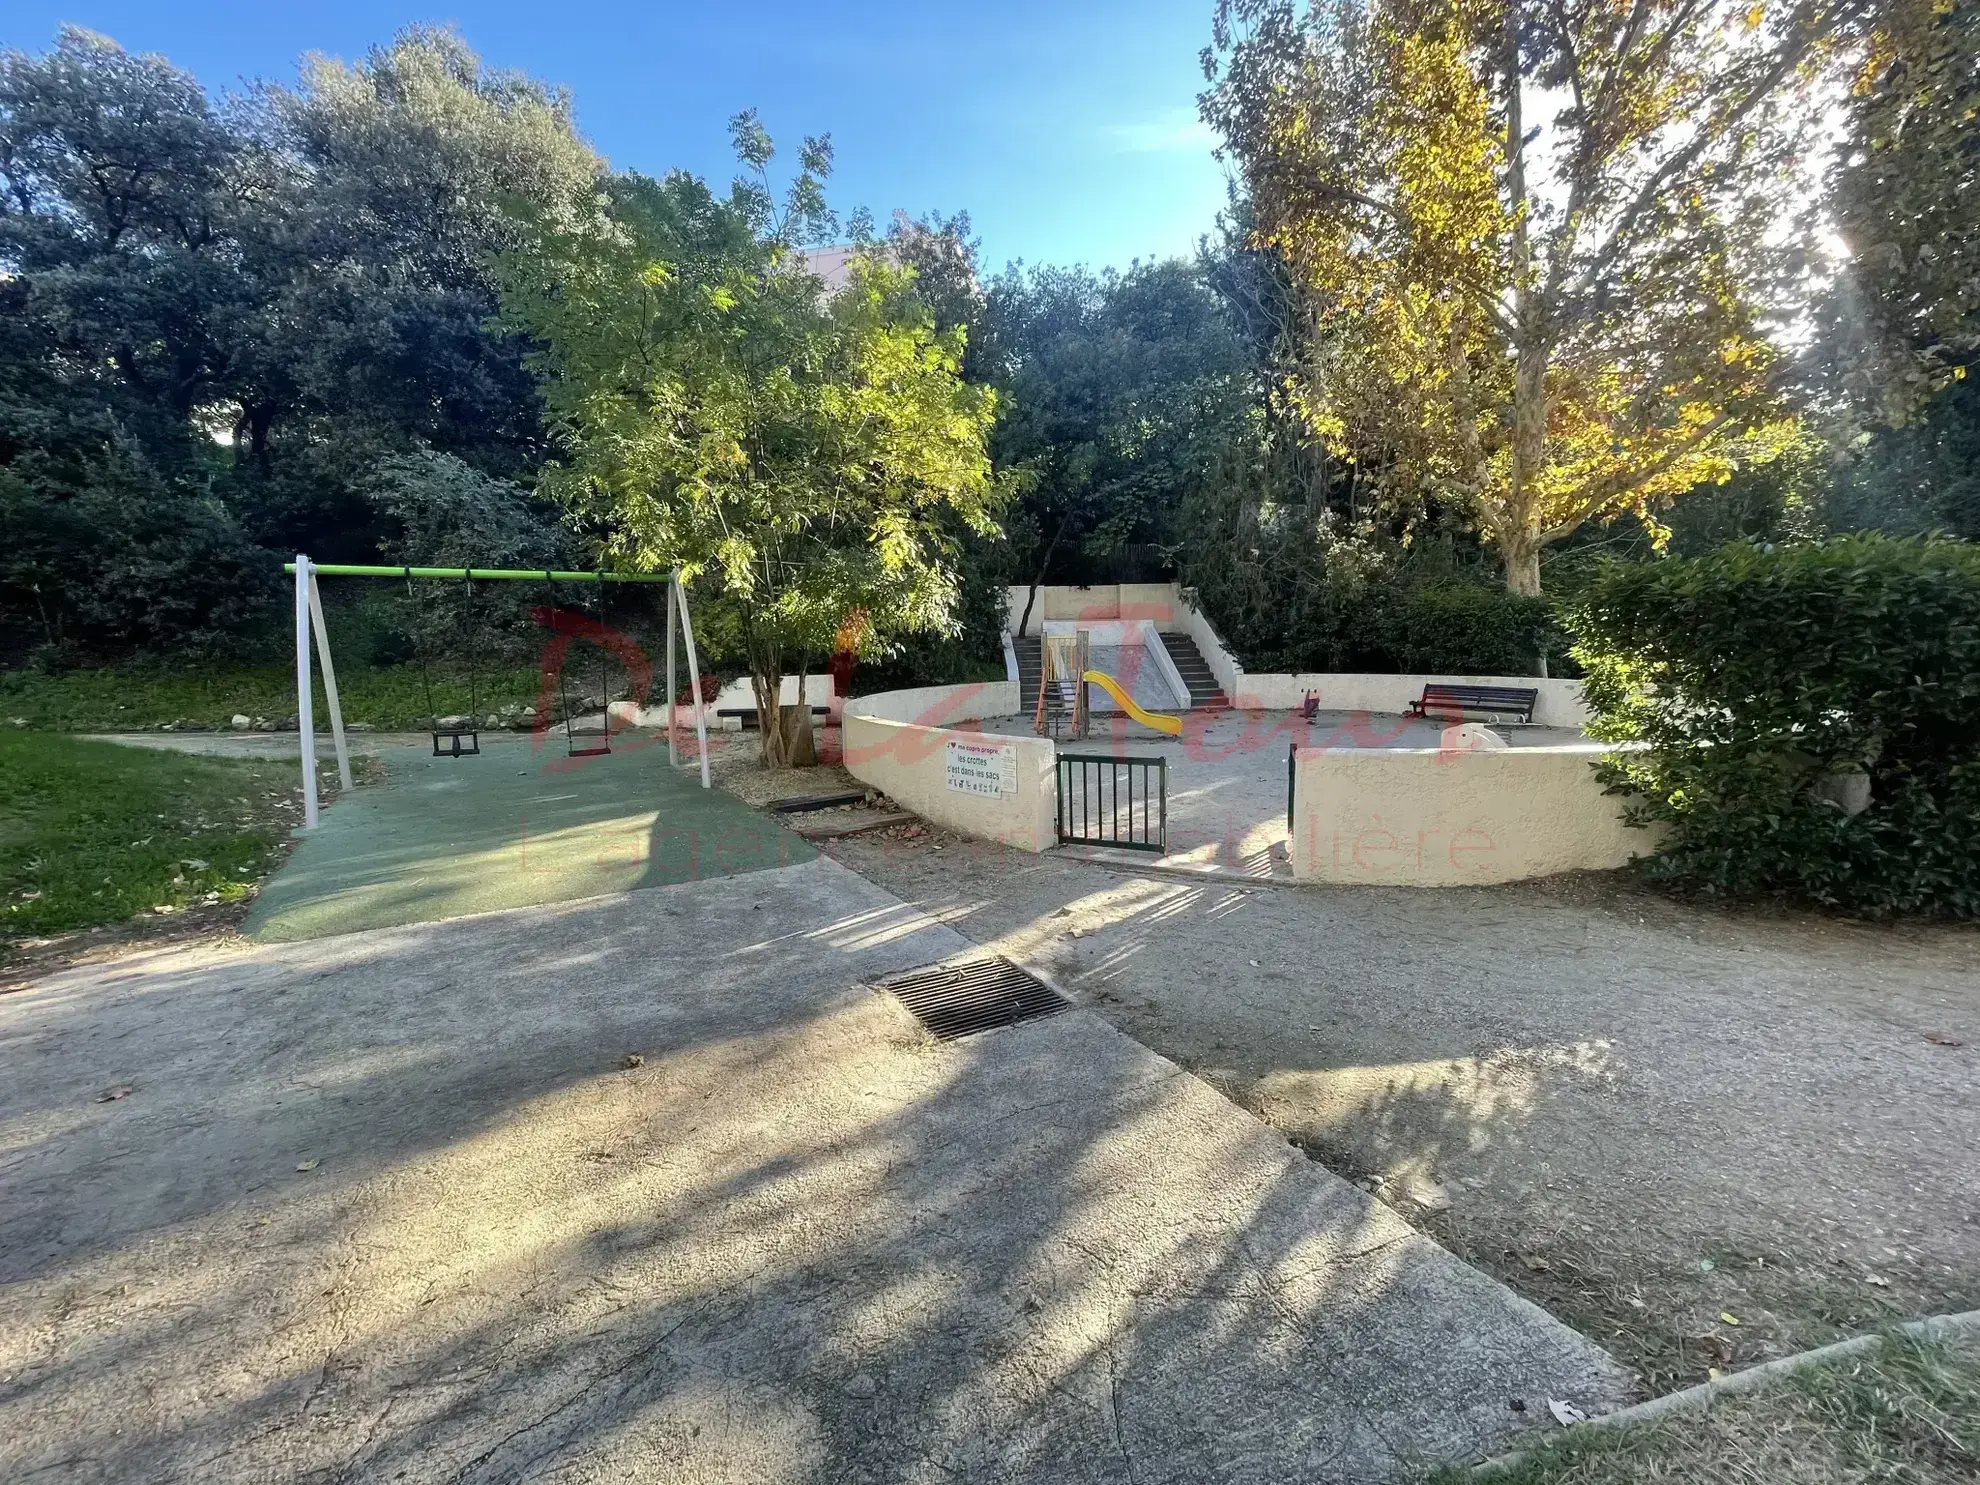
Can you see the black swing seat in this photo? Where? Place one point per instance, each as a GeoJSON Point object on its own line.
{"type": "Point", "coordinates": [574, 736]}
{"type": "Point", "coordinates": [451, 738]}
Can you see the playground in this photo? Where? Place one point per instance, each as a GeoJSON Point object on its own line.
{"type": "Point", "coordinates": [554, 1108]}
{"type": "Point", "coordinates": [520, 824]}
{"type": "Point", "coordinates": [558, 1112]}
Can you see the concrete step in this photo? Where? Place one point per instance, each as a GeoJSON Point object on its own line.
{"type": "Point", "coordinates": [1204, 692]}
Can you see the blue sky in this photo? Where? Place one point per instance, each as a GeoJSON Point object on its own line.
{"type": "Point", "coordinates": [1067, 130]}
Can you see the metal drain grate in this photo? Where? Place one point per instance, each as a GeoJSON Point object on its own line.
{"type": "Point", "coordinates": [955, 1000]}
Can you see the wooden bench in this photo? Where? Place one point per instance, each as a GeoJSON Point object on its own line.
{"type": "Point", "coordinates": [1487, 703]}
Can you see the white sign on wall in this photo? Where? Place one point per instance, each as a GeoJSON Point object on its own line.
{"type": "Point", "coordinates": [982, 767]}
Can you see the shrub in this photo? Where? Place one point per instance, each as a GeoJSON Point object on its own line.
{"type": "Point", "coordinates": [1462, 629]}
{"type": "Point", "coordinates": [103, 554]}
{"type": "Point", "coordinates": [1383, 623]}
{"type": "Point", "coordinates": [1769, 687]}
{"type": "Point", "coordinates": [449, 514]}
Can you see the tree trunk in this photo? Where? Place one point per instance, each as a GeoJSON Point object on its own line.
{"type": "Point", "coordinates": [799, 743]}
{"type": "Point", "coordinates": [1519, 536]}
{"type": "Point", "coordinates": [1044, 566]}
{"type": "Point", "coordinates": [1521, 551]}
{"type": "Point", "coordinates": [767, 681]}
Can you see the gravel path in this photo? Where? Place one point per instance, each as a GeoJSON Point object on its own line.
{"type": "Point", "coordinates": [1643, 1115]}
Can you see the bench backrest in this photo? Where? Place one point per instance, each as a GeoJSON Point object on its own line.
{"type": "Point", "coordinates": [1520, 699]}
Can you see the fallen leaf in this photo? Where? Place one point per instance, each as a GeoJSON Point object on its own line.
{"type": "Point", "coordinates": [111, 1095]}
{"type": "Point", "coordinates": [633, 1059]}
{"type": "Point", "coordinates": [1565, 1413]}
{"type": "Point", "coordinates": [308, 1164]}
{"type": "Point", "coordinates": [1535, 1264]}
{"type": "Point", "coordinates": [1729, 1319]}
{"type": "Point", "coordinates": [1943, 1039]}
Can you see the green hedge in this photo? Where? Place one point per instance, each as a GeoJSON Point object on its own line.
{"type": "Point", "coordinates": [1452, 627]}
{"type": "Point", "coordinates": [1459, 629]}
{"type": "Point", "coordinates": [1767, 686]}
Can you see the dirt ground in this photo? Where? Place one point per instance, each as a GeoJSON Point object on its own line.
{"type": "Point", "coordinates": [1703, 1137]}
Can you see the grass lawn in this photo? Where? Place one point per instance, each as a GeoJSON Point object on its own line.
{"type": "Point", "coordinates": [135, 698]}
{"type": "Point", "coordinates": [94, 833]}
{"type": "Point", "coordinates": [1909, 1413]}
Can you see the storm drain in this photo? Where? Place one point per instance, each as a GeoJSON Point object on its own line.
{"type": "Point", "coordinates": [955, 1000]}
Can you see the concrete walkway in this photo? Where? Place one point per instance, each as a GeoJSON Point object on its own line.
{"type": "Point", "coordinates": [651, 1186]}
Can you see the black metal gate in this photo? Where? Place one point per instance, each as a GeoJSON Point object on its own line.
{"type": "Point", "coordinates": [1108, 801]}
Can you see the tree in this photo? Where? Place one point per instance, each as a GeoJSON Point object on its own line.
{"type": "Point", "coordinates": [405, 174]}
{"type": "Point", "coordinates": [1899, 332]}
{"type": "Point", "coordinates": [717, 411]}
{"type": "Point", "coordinates": [235, 308]}
{"type": "Point", "coordinates": [1543, 236]}
{"type": "Point", "coordinates": [942, 255]}
{"type": "Point", "coordinates": [125, 196]}
{"type": "Point", "coordinates": [1121, 388]}
{"type": "Point", "coordinates": [1906, 201]}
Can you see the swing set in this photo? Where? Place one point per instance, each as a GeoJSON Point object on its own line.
{"type": "Point", "coordinates": [461, 738]}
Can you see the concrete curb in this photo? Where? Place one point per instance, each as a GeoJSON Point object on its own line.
{"type": "Point", "coordinates": [1212, 874]}
{"type": "Point", "coordinates": [1700, 1399]}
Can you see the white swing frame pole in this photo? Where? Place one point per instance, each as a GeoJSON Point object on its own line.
{"type": "Point", "coordinates": [694, 674]}
{"type": "Point", "coordinates": [673, 752]}
{"type": "Point", "coordinates": [330, 686]}
{"type": "Point", "coordinates": [305, 698]}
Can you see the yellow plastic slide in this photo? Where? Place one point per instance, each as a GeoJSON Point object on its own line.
{"type": "Point", "coordinates": [1161, 723]}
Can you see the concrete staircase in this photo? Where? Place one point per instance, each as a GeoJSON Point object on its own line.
{"type": "Point", "coordinates": [1028, 648]}
{"type": "Point", "coordinates": [1204, 692]}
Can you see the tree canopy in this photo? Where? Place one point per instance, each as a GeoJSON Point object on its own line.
{"type": "Point", "coordinates": [1496, 276]}
{"type": "Point", "coordinates": [1542, 238]}
{"type": "Point", "coordinates": [718, 410]}
{"type": "Point", "coordinates": [1906, 201]}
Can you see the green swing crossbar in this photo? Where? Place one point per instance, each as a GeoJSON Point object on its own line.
{"type": "Point", "coordinates": [478, 574]}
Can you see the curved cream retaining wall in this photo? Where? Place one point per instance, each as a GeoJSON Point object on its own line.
{"type": "Point", "coordinates": [1559, 703]}
{"type": "Point", "coordinates": [898, 742]}
{"type": "Point", "coordinates": [1432, 817]}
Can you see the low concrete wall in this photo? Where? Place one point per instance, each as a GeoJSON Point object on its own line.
{"type": "Point", "coordinates": [739, 695]}
{"type": "Point", "coordinates": [1430, 817]}
{"type": "Point", "coordinates": [1156, 602]}
{"type": "Point", "coordinates": [1559, 703]}
{"type": "Point", "coordinates": [900, 743]}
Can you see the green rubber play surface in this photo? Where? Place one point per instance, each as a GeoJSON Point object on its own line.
{"type": "Point", "coordinates": [513, 827]}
